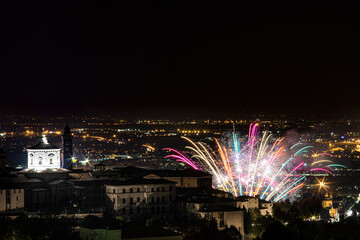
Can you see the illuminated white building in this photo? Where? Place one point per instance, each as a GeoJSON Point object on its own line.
{"type": "Point", "coordinates": [43, 156]}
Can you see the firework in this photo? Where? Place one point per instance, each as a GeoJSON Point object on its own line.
{"type": "Point", "coordinates": [261, 165]}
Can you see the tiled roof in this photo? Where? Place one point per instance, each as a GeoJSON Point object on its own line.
{"type": "Point", "coordinates": [85, 176]}
{"type": "Point", "coordinates": [179, 173]}
{"type": "Point", "coordinates": [43, 145]}
{"type": "Point", "coordinates": [140, 181]}
{"type": "Point", "coordinates": [221, 208]}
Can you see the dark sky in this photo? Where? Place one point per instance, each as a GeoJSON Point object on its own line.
{"type": "Point", "coordinates": [204, 59]}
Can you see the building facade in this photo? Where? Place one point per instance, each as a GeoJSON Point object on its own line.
{"type": "Point", "coordinates": [141, 197]}
{"type": "Point", "coordinates": [43, 156]}
{"type": "Point", "coordinates": [12, 199]}
{"type": "Point", "coordinates": [188, 178]}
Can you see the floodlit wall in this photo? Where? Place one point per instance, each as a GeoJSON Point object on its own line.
{"type": "Point", "coordinates": [226, 218]}
{"type": "Point", "coordinates": [11, 199]}
{"type": "Point", "coordinates": [43, 159]}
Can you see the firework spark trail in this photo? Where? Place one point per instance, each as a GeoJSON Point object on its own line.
{"type": "Point", "coordinates": [322, 169]}
{"type": "Point", "coordinates": [251, 142]}
{"type": "Point", "coordinates": [212, 165]}
{"type": "Point", "coordinates": [184, 160]}
{"type": "Point", "coordinates": [302, 150]}
{"type": "Point", "coordinates": [331, 169]}
{"type": "Point", "coordinates": [336, 165]}
{"type": "Point", "coordinates": [287, 189]}
{"type": "Point", "coordinates": [291, 190]}
{"type": "Point", "coordinates": [320, 161]}
{"type": "Point", "coordinates": [265, 175]}
{"type": "Point", "coordinates": [328, 154]}
{"type": "Point", "coordinates": [224, 157]}
{"type": "Point", "coordinates": [296, 145]}
{"type": "Point", "coordinates": [236, 145]}
{"type": "Point", "coordinates": [262, 165]}
{"type": "Point", "coordinates": [288, 175]}
{"type": "Point", "coordinates": [260, 155]}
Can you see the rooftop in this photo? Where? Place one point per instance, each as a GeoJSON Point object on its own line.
{"type": "Point", "coordinates": [245, 198]}
{"type": "Point", "coordinates": [39, 190]}
{"type": "Point", "coordinates": [47, 170]}
{"type": "Point", "coordinates": [220, 208]}
{"type": "Point", "coordinates": [42, 145]}
{"type": "Point", "coordinates": [84, 176]}
{"type": "Point", "coordinates": [130, 169]}
{"type": "Point", "coordinates": [100, 165]}
{"type": "Point", "coordinates": [204, 199]}
{"type": "Point", "coordinates": [56, 181]}
{"type": "Point", "coordinates": [179, 173]}
{"type": "Point", "coordinates": [104, 173]}
{"type": "Point", "coordinates": [140, 181]}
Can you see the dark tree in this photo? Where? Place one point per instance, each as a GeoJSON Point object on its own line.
{"type": "Point", "coordinates": [278, 231]}
{"type": "Point", "coordinates": [231, 233]}
{"type": "Point", "coordinates": [38, 228]}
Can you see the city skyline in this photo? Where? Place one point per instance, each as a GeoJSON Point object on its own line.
{"type": "Point", "coordinates": [159, 60]}
{"type": "Point", "coordinates": [179, 120]}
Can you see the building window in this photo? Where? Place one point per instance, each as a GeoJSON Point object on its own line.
{"type": "Point", "coordinates": [157, 199]}
{"type": "Point", "coordinates": [152, 189]}
{"type": "Point", "coordinates": [40, 160]}
{"type": "Point", "coordinates": [131, 210]}
{"type": "Point", "coordinates": [138, 199]}
{"type": "Point", "coordinates": [124, 190]}
{"type": "Point", "coordinates": [170, 188]}
{"type": "Point", "coordinates": [221, 219]}
{"type": "Point", "coordinates": [114, 190]}
{"type": "Point", "coordinates": [7, 199]}
{"type": "Point", "coordinates": [131, 201]}
{"type": "Point", "coordinates": [158, 189]}
{"type": "Point", "coordinates": [163, 199]}
{"type": "Point", "coordinates": [138, 189]}
{"type": "Point", "coordinates": [131, 190]}
{"type": "Point", "coordinates": [152, 200]}
{"type": "Point", "coordinates": [51, 156]}
{"type": "Point", "coordinates": [163, 189]}
{"type": "Point", "coordinates": [124, 200]}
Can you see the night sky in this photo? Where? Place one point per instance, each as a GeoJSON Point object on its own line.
{"type": "Point", "coordinates": [205, 59]}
